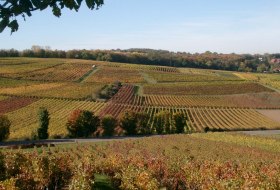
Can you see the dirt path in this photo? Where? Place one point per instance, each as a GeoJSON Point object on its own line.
{"type": "Point", "coordinates": [148, 78]}
{"type": "Point", "coordinates": [87, 75]}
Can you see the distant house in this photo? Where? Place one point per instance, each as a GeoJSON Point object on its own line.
{"type": "Point", "coordinates": [275, 60]}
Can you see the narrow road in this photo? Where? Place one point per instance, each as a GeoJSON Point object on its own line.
{"type": "Point", "coordinates": [93, 140]}
{"type": "Point", "coordinates": [263, 132]}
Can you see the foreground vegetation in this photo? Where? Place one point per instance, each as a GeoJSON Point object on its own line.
{"type": "Point", "coordinates": [172, 162]}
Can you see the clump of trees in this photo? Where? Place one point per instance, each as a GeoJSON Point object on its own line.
{"type": "Point", "coordinates": [85, 124]}
{"type": "Point", "coordinates": [82, 123]}
{"type": "Point", "coordinates": [4, 127]}
{"type": "Point", "coordinates": [110, 90]}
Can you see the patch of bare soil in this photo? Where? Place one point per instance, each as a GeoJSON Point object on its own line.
{"type": "Point", "coordinates": [272, 114]}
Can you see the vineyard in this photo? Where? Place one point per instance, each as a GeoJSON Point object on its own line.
{"type": "Point", "coordinates": [11, 67]}
{"type": "Point", "coordinates": [197, 119]}
{"type": "Point", "coordinates": [112, 74]}
{"type": "Point", "coordinates": [198, 161]}
{"type": "Point", "coordinates": [11, 104]}
{"type": "Point", "coordinates": [205, 89]}
{"type": "Point", "coordinates": [208, 99]}
{"type": "Point", "coordinates": [65, 72]}
{"type": "Point", "coordinates": [25, 120]}
{"type": "Point", "coordinates": [167, 77]}
{"type": "Point", "coordinates": [53, 90]}
{"type": "Point", "coordinates": [272, 80]}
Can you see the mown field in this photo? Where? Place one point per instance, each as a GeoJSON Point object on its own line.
{"type": "Point", "coordinates": [196, 161]}
{"type": "Point", "coordinates": [217, 100]}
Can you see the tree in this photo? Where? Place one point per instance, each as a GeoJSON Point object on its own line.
{"type": "Point", "coordinates": [162, 123]}
{"type": "Point", "coordinates": [179, 122]}
{"type": "Point", "coordinates": [44, 120]}
{"type": "Point", "coordinates": [143, 126]}
{"type": "Point", "coordinates": [82, 123]}
{"type": "Point", "coordinates": [4, 127]}
{"type": "Point", "coordinates": [128, 121]}
{"type": "Point", "coordinates": [11, 9]}
{"type": "Point", "coordinates": [109, 124]}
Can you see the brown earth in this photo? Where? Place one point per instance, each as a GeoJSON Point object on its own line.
{"type": "Point", "coordinates": [272, 114]}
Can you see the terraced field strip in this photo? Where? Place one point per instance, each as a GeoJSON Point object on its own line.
{"type": "Point", "coordinates": [78, 91]}
{"type": "Point", "coordinates": [181, 77]}
{"type": "Point", "coordinates": [65, 72]}
{"type": "Point", "coordinates": [25, 120]}
{"type": "Point", "coordinates": [14, 67]}
{"type": "Point", "coordinates": [204, 88]}
{"type": "Point", "coordinates": [12, 104]}
{"type": "Point", "coordinates": [112, 74]}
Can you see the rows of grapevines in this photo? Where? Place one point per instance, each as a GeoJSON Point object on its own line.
{"type": "Point", "coordinates": [125, 95]}
{"type": "Point", "coordinates": [163, 162]}
{"type": "Point", "coordinates": [144, 67]}
{"type": "Point", "coordinates": [203, 88]}
{"type": "Point", "coordinates": [64, 72]}
{"type": "Point", "coordinates": [11, 104]}
{"type": "Point", "coordinates": [12, 66]}
{"type": "Point", "coordinates": [257, 101]}
{"type": "Point", "coordinates": [111, 74]}
{"type": "Point", "coordinates": [198, 118]}
{"type": "Point", "coordinates": [25, 120]}
{"type": "Point", "coordinates": [79, 91]}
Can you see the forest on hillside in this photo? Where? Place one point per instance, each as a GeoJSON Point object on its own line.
{"type": "Point", "coordinates": [207, 60]}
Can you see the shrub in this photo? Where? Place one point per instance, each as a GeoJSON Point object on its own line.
{"type": "Point", "coordinates": [43, 123]}
{"type": "Point", "coordinates": [109, 124]}
{"type": "Point", "coordinates": [4, 127]}
{"type": "Point", "coordinates": [82, 123]}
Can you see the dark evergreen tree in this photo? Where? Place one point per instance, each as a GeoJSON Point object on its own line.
{"type": "Point", "coordinates": [44, 120]}
{"type": "Point", "coordinates": [4, 127]}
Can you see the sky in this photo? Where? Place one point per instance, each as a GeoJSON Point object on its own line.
{"type": "Point", "coordinates": [223, 26]}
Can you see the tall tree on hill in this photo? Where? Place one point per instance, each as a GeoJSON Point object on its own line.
{"type": "Point", "coordinates": [44, 120]}
{"type": "Point", "coordinates": [11, 9]}
{"type": "Point", "coordinates": [4, 127]}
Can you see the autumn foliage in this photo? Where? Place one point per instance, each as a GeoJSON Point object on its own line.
{"type": "Point", "coordinates": [82, 123]}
